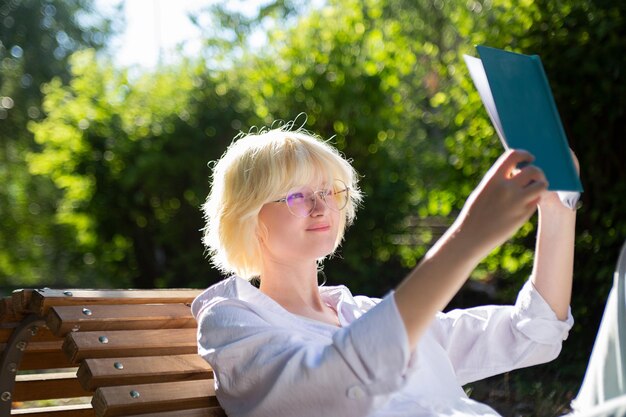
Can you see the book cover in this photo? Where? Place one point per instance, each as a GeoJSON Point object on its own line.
{"type": "Point", "coordinates": [516, 93]}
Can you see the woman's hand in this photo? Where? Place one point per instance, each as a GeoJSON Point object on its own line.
{"type": "Point", "coordinates": [550, 204]}
{"type": "Point", "coordinates": [503, 201]}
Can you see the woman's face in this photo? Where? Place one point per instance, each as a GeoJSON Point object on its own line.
{"type": "Point", "coordinates": [290, 238]}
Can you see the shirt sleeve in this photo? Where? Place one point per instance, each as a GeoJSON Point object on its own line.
{"type": "Point", "coordinates": [489, 340]}
{"type": "Point", "coordinates": [267, 370]}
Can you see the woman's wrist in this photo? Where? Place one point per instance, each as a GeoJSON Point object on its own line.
{"type": "Point", "coordinates": [553, 206]}
{"type": "Point", "coordinates": [556, 213]}
{"type": "Point", "coordinates": [471, 243]}
{"type": "Point", "coordinates": [556, 225]}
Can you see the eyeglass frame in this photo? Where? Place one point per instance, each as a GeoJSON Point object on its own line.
{"type": "Point", "coordinates": [314, 198]}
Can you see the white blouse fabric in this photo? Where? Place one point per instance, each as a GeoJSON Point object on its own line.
{"type": "Point", "coordinates": [269, 362]}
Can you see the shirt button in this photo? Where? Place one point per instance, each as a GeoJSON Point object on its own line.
{"type": "Point", "coordinates": [356, 392]}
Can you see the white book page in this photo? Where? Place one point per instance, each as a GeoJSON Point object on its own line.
{"type": "Point", "coordinates": [477, 72]}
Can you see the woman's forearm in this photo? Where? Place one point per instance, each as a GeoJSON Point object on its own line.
{"type": "Point", "coordinates": [433, 283]}
{"type": "Point", "coordinates": [554, 257]}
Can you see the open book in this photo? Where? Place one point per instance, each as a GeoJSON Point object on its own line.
{"type": "Point", "coordinates": [515, 91]}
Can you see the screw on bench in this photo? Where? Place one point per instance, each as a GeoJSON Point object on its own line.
{"type": "Point", "coordinates": [118, 365]}
{"type": "Point", "coordinates": [6, 396]}
{"type": "Point", "coordinates": [134, 394]}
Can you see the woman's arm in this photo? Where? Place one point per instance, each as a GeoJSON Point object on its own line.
{"type": "Point", "coordinates": [503, 201]}
{"type": "Point", "coordinates": [554, 254]}
{"type": "Point", "coordinates": [553, 269]}
{"type": "Point", "coordinates": [282, 367]}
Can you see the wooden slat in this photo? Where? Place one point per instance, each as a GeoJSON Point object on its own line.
{"type": "Point", "coordinates": [63, 319]}
{"type": "Point", "coordinates": [35, 348]}
{"type": "Point", "coordinates": [3, 307]}
{"type": "Point", "coordinates": [94, 373]}
{"type": "Point", "coordinates": [45, 355]}
{"type": "Point", "coordinates": [42, 300]}
{"type": "Point", "coordinates": [48, 386]}
{"type": "Point", "coordinates": [81, 345]}
{"type": "Point", "coordinates": [152, 398]}
{"type": "Point", "coordinates": [45, 360]}
{"type": "Point", "coordinates": [41, 347]}
{"type": "Point", "coordinates": [7, 312]}
{"type": "Point", "coordinates": [76, 410]}
{"type": "Point", "coordinates": [20, 300]}
{"type": "Point", "coordinates": [196, 412]}
{"type": "Point", "coordinates": [6, 330]}
{"type": "Point", "coordinates": [43, 333]}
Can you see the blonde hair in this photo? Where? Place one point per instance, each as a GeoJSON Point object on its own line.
{"type": "Point", "coordinates": [256, 169]}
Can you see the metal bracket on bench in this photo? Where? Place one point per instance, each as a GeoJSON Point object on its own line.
{"type": "Point", "coordinates": [12, 357]}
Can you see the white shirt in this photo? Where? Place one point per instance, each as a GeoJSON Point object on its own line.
{"type": "Point", "coordinates": [269, 362]}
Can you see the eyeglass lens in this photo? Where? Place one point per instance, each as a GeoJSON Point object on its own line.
{"type": "Point", "coordinates": [302, 200]}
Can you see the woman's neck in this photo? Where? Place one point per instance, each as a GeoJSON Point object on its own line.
{"type": "Point", "coordinates": [292, 285]}
{"type": "Point", "coordinates": [296, 290]}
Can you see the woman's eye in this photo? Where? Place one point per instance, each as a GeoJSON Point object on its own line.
{"type": "Point", "coordinates": [295, 196]}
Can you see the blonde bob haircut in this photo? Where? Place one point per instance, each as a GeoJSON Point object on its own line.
{"type": "Point", "coordinates": [258, 168]}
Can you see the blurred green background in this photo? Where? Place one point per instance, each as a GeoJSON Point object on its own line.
{"type": "Point", "coordinates": [103, 169]}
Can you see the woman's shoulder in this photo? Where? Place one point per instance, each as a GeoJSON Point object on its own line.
{"type": "Point", "coordinates": [232, 288]}
{"type": "Point", "coordinates": [235, 299]}
{"type": "Point", "coordinates": [202, 301]}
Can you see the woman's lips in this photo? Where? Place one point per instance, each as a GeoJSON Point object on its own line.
{"type": "Point", "coordinates": [319, 228]}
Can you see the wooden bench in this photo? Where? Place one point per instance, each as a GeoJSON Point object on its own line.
{"type": "Point", "coordinates": [114, 353]}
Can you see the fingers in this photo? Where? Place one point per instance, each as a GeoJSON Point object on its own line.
{"type": "Point", "coordinates": [509, 162]}
{"type": "Point", "coordinates": [529, 180]}
{"type": "Point", "coordinates": [533, 191]}
{"type": "Point", "coordinates": [515, 164]}
{"type": "Point", "coordinates": [527, 175]}
{"type": "Point", "coordinates": [532, 183]}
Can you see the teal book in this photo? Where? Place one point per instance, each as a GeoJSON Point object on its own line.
{"type": "Point", "coordinates": [515, 91]}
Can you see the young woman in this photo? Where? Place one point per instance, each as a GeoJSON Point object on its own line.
{"type": "Point", "coordinates": [279, 204]}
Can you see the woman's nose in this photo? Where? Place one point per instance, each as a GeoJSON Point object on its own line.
{"type": "Point", "coordinates": [319, 205]}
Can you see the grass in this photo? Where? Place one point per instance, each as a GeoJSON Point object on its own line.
{"type": "Point", "coordinates": [525, 394]}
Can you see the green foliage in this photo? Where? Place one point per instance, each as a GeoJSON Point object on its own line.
{"type": "Point", "coordinates": [131, 164]}
{"type": "Point", "coordinates": [36, 39]}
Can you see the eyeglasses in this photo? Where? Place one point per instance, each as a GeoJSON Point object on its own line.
{"type": "Point", "coordinates": [301, 201]}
